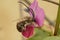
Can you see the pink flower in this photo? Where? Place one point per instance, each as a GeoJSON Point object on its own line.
{"type": "Point", "coordinates": [29, 31]}
{"type": "Point", "coordinates": [38, 16]}
{"type": "Point", "coordinates": [38, 12]}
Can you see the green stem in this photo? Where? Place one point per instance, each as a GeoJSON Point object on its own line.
{"type": "Point", "coordinates": [57, 21]}
{"type": "Point", "coordinates": [52, 2]}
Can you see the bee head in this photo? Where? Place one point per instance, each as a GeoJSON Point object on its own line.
{"type": "Point", "coordinates": [20, 26]}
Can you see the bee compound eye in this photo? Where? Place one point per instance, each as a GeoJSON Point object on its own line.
{"type": "Point", "coordinates": [19, 27]}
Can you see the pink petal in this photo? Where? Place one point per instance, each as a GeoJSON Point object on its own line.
{"type": "Point", "coordinates": [39, 13]}
{"type": "Point", "coordinates": [29, 31]}
{"type": "Point", "coordinates": [39, 16]}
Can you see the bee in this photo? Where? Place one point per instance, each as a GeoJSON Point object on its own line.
{"type": "Point", "coordinates": [28, 20]}
{"type": "Point", "coordinates": [21, 25]}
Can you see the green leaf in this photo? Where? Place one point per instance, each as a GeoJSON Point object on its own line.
{"type": "Point", "coordinates": [40, 34]}
{"type": "Point", "coordinates": [52, 38]}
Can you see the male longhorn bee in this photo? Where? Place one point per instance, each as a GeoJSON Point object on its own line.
{"type": "Point", "coordinates": [21, 25]}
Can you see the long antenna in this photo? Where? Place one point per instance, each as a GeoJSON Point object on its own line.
{"type": "Point", "coordinates": [29, 9]}
{"type": "Point", "coordinates": [23, 4]}
{"type": "Point", "coordinates": [27, 1]}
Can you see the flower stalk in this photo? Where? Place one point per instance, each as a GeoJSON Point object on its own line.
{"type": "Point", "coordinates": [52, 2]}
{"type": "Point", "coordinates": [57, 21]}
